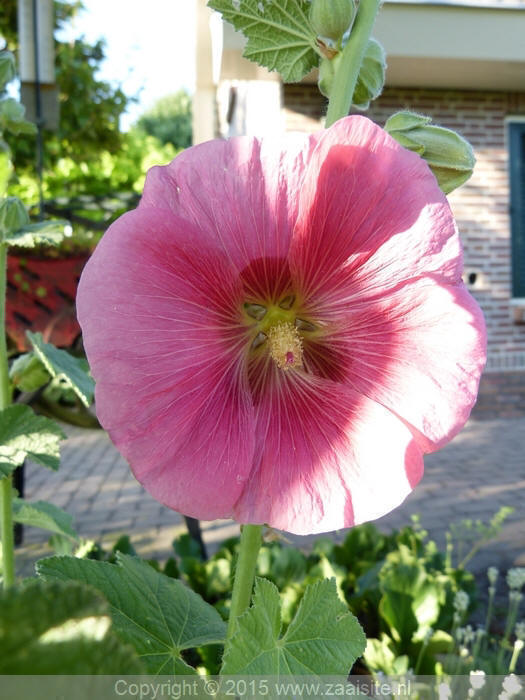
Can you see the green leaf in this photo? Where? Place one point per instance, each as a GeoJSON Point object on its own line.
{"type": "Point", "coordinates": [279, 34]}
{"type": "Point", "coordinates": [186, 546]}
{"type": "Point", "coordinates": [24, 435]}
{"type": "Point", "coordinates": [59, 628]}
{"type": "Point", "coordinates": [411, 599]}
{"type": "Point", "coordinates": [379, 656]}
{"type": "Point", "coordinates": [6, 167]}
{"type": "Point", "coordinates": [27, 373]}
{"type": "Point", "coordinates": [12, 117]}
{"type": "Point", "coordinates": [371, 75]}
{"type": "Point", "coordinates": [41, 233]}
{"type": "Point", "coordinates": [396, 609]}
{"type": "Point", "coordinates": [323, 637]}
{"type": "Point", "coordinates": [7, 68]}
{"type": "Point", "coordinates": [158, 615]}
{"type": "Point", "coordinates": [43, 515]}
{"type": "Point", "coordinates": [60, 363]}
{"type": "Point", "coordinates": [62, 545]}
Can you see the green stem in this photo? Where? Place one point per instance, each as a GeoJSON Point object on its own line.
{"type": "Point", "coordinates": [511, 620]}
{"type": "Point", "coordinates": [6, 496]}
{"type": "Point", "coordinates": [8, 545]}
{"type": "Point", "coordinates": [244, 573]}
{"type": "Point", "coordinates": [345, 78]}
{"type": "Point", "coordinates": [421, 654]}
{"type": "Point", "coordinates": [5, 385]}
{"type": "Point", "coordinates": [490, 609]}
{"type": "Point", "coordinates": [518, 646]}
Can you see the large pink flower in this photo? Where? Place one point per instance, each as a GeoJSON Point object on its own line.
{"type": "Point", "coordinates": [279, 331]}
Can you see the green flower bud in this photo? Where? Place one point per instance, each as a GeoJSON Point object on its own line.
{"type": "Point", "coordinates": [331, 18]}
{"type": "Point", "coordinates": [327, 69]}
{"type": "Point", "coordinates": [13, 216]}
{"type": "Point", "coordinates": [449, 156]}
{"type": "Point", "coordinates": [28, 373]}
{"type": "Point", "coordinates": [371, 75]}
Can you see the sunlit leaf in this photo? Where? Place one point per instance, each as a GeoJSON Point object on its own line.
{"type": "Point", "coordinates": [279, 35]}
{"type": "Point", "coordinates": [60, 363]}
{"type": "Point", "coordinates": [43, 515]}
{"type": "Point", "coordinates": [323, 637]}
{"type": "Point", "coordinates": [24, 435]}
{"type": "Point", "coordinates": [158, 615]}
{"type": "Point", "coordinates": [59, 628]}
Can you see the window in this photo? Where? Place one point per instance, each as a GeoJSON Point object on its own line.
{"type": "Point", "coordinates": [517, 206]}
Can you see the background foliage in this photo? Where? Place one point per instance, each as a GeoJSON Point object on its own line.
{"type": "Point", "coordinates": [89, 155]}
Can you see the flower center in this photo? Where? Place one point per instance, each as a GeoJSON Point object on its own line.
{"type": "Point", "coordinates": [279, 329]}
{"type": "Point", "coordinates": [286, 347]}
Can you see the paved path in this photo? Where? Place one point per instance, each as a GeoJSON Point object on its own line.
{"type": "Point", "coordinates": [481, 470]}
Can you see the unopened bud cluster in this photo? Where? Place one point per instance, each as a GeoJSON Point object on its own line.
{"type": "Point", "coordinates": [449, 156]}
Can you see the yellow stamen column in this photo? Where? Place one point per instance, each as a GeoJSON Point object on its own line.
{"type": "Point", "coordinates": [286, 346]}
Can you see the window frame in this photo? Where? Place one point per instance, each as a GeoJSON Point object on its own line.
{"type": "Point", "coordinates": [516, 154]}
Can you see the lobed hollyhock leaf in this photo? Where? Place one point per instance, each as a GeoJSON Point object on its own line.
{"type": "Point", "coordinates": [44, 515]}
{"type": "Point", "coordinates": [41, 233]}
{"type": "Point", "coordinates": [159, 616]}
{"type": "Point", "coordinates": [24, 435]}
{"type": "Point", "coordinates": [60, 363]}
{"type": "Point", "coordinates": [59, 628]}
{"type": "Point", "coordinates": [323, 637]}
{"type": "Point", "coordinates": [279, 35]}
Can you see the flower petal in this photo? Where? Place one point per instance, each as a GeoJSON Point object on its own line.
{"type": "Point", "coordinates": [419, 351]}
{"type": "Point", "coordinates": [159, 313]}
{"type": "Point", "coordinates": [242, 193]}
{"type": "Point", "coordinates": [328, 458]}
{"type": "Point", "coordinates": [372, 210]}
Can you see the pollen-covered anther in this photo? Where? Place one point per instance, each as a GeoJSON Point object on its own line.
{"type": "Point", "coordinates": [286, 346]}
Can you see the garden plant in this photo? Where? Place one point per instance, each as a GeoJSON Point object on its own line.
{"type": "Point", "coordinates": [269, 333]}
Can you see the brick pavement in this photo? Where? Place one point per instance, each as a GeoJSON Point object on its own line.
{"type": "Point", "coordinates": [482, 469]}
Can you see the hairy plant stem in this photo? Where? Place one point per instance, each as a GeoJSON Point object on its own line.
{"type": "Point", "coordinates": [251, 537]}
{"type": "Point", "coordinates": [8, 545]}
{"type": "Point", "coordinates": [5, 385]}
{"type": "Point", "coordinates": [6, 495]}
{"type": "Point", "coordinates": [347, 72]}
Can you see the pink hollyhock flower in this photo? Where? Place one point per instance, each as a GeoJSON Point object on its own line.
{"type": "Point", "coordinates": [279, 331]}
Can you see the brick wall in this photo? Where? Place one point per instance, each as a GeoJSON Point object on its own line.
{"type": "Point", "coordinates": [481, 207]}
{"type": "Point", "coordinates": [501, 394]}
